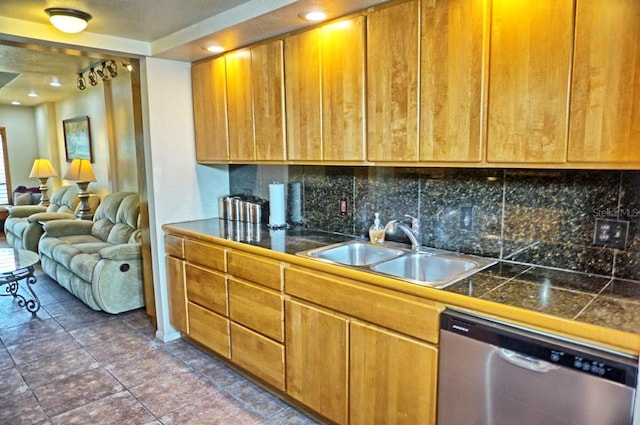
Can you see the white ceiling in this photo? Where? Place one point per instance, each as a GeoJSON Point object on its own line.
{"type": "Point", "coordinates": [32, 52]}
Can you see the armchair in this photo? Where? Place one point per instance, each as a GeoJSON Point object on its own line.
{"type": "Point", "coordinates": [98, 261]}
{"type": "Point", "coordinates": [23, 227]}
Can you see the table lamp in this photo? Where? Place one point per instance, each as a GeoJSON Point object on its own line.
{"type": "Point", "coordinates": [81, 172]}
{"type": "Point", "coordinates": [42, 169]}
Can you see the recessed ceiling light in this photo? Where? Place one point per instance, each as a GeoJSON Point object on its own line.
{"type": "Point", "coordinates": [214, 48]}
{"type": "Point", "coordinates": [15, 102]}
{"type": "Point", "coordinates": [32, 94]}
{"type": "Point", "coordinates": [314, 16]}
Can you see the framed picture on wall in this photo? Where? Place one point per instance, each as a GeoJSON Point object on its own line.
{"type": "Point", "coordinates": [77, 138]}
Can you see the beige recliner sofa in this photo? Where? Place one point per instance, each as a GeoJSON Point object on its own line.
{"type": "Point", "coordinates": [23, 227]}
{"type": "Point", "coordinates": [98, 261]}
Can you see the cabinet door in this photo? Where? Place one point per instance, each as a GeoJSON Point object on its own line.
{"type": "Point", "coordinates": [605, 106]}
{"type": "Point", "coordinates": [210, 110]}
{"type": "Point", "coordinates": [316, 353]}
{"type": "Point", "coordinates": [268, 101]}
{"type": "Point", "coordinates": [343, 120]}
{"type": "Point", "coordinates": [452, 78]}
{"type": "Point", "coordinates": [392, 83]}
{"type": "Point", "coordinates": [177, 289]}
{"type": "Point", "coordinates": [302, 81]}
{"type": "Point", "coordinates": [240, 106]}
{"type": "Point", "coordinates": [392, 378]}
{"type": "Point", "coordinates": [531, 43]}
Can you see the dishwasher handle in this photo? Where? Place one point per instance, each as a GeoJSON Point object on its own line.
{"type": "Point", "coordinates": [526, 362]}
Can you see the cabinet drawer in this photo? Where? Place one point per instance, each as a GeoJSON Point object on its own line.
{"type": "Point", "coordinates": [257, 308]}
{"type": "Point", "coordinates": [207, 289]}
{"type": "Point", "coordinates": [174, 246]}
{"type": "Point", "coordinates": [258, 355]}
{"type": "Point", "coordinates": [401, 312]}
{"type": "Point", "coordinates": [209, 329]}
{"type": "Point", "coordinates": [205, 254]}
{"type": "Point", "coordinates": [259, 270]}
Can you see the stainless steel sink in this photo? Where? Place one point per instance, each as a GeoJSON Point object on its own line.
{"type": "Point", "coordinates": [355, 253]}
{"type": "Point", "coordinates": [429, 267]}
{"type": "Point", "coordinates": [431, 270]}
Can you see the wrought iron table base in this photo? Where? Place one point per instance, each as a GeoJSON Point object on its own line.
{"type": "Point", "coordinates": [12, 280]}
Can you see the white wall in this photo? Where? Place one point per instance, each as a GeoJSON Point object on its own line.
{"type": "Point", "coordinates": [91, 103]}
{"type": "Point", "coordinates": [179, 189]}
{"type": "Point", "coordinates": [22, 146]}
{"type": "Point", "coordinates": [123, 154]}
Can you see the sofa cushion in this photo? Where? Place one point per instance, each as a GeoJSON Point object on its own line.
{"type": "Point", "coordinates": [116, 219]}
{"type": "Point", "coordinates": [83, 265]}
{"type": "Point", "coordinates": [64, 200]}
{"type": "Point", "coordinates": [23, 199]}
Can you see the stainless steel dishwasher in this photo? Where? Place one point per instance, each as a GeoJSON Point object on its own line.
{"type": "Point", "coordinates": [492, 373]}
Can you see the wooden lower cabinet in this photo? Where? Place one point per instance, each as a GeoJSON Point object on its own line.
{"type": "Point", "coordinates": [209, 329]}
{"type": "Point", "coordinates": [392, 378]}
{"type": "Point", "coordinates": [259, 355]}
{"type": "Point", "coordinates": [257, 308]}
{"type": "Point", "coordinates": [317, 355]}
{"type": "Point", "coordinates": [177, 293]}
{"type": "Point", "coordinates": [355, 373]}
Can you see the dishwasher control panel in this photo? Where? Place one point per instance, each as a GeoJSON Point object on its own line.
{"type": "Point", "coordinates": [542, 347]}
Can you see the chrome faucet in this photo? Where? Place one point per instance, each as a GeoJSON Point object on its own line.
{"type": "Point", "coordinates": [412, 232]}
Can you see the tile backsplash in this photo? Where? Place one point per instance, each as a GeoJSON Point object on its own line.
{"type": "Point", "coordinates": [541, 217]}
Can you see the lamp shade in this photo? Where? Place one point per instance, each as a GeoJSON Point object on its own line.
{"type": "Point", "coordinates": [80, 170]}
{"type": "Point", "coordinates": [68, 20]}
{"type": "Point", "coordinates": [42, 168]}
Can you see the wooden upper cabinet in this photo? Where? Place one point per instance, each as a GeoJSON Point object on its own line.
{"type": "Point", "coordinates": [604, 123]}
{"type": "Point", "coordinates": [210, 110]}
{"type": "Point", "coordinates": [268, 101]}
{"type": "Point", "coordinates": [302, 82]}
{"type": "Point", "coordinates": [530, 60]}
{"type": "Point", "coordinates": [453, 49]}
{"type": "Point", "coordinates": [392, 83]}
{"type": "Point", "coordinates": [343, 84]}
{"type": "Point", "coordinates": [240, 106]}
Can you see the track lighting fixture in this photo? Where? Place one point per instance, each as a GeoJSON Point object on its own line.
{"type": "Point", "coordinates": [93, 78]}
{"type": "Point", "coordinates": [105, 69]}
{"type": "Point", "coordinates": [113, 69]}
{"type": "Point", "coordinates": [102, 73]}
{"type": "Point", "coordinates": [81, 83]}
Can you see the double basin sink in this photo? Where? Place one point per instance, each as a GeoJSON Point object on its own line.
{"type": "Point", "coordinates": [428, 267]}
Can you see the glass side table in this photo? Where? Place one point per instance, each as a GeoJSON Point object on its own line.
{"type": "Point", "coordinates": [17, 265]}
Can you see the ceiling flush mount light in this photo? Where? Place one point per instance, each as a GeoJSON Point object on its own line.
{"type": "Point", "coordinates": [314, 16]}
{"type": "Point", "coordinates": [55, 82]}
{"type": "Point", "coordinates": [68, 20]}
{"type": "Point", "coordinates": [15, 102]}
{"type": "Point", "coordinates": [214, 49]}
{"type": "Point", "coordinates": [32, 94]}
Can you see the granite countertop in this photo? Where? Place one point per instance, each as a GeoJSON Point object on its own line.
{"type": "Point", "coordinates": [597, 300]}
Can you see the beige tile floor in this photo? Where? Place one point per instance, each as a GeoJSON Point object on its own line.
{"type": "Point", "coordinates": [72, 365]}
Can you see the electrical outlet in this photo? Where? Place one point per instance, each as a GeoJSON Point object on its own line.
{"type": "Point", "coordinates": [611, 233]}
{"type": "Point", "coordinates": [466, 218]}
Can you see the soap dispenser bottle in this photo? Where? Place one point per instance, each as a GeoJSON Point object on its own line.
{"type": "Point", "coordinates": [376, 231]}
